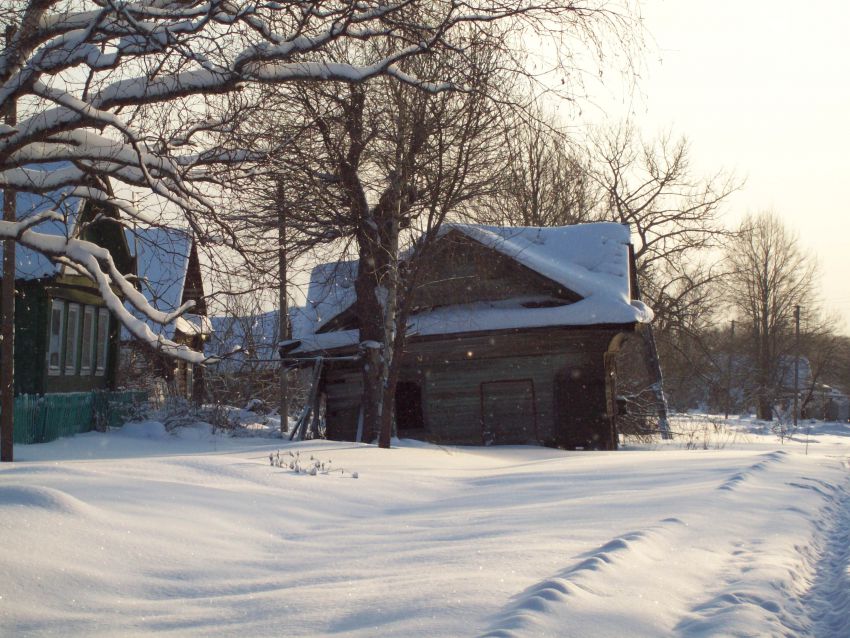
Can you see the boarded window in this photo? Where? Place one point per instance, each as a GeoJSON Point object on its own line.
{"type": "Point", "coordinates": [102, 341]}
{"type": "Point", "coordinates": [508, 412]}
{"type": "Point", "coordinates": [72, 338]}
{"type": "Point", "coordinates": [87, 352]}
{"type": "Point", "coordinates": [54, 352]}
{"type": "Point", "coordinates": [408, 406]}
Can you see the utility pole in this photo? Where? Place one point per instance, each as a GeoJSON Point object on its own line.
{"type": "Point", "coordinates": [283, 309]}
{"type": "Point", "coordinates": [729, 371]}
{"type": "Point", "coordinates": [7, 307]}
{"type": "Point", "coordinates": [796, 361]}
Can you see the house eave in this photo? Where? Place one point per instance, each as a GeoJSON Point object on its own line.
{"type": "Point", "coordinates": [294, 355]}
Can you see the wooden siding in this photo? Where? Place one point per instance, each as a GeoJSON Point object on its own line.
{"type": "Point", "coordinates": [454, 374]}
{"type": "Point", "coordinates": [31, 313]}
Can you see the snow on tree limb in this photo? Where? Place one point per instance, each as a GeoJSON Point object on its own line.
{"type": "Point", "coordinates": [116, 95]}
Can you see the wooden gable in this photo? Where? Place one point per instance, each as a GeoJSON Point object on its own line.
{"type": "Point", "coordinates": [193, 285]}
{"type": "Point", "coordinates": [459, 271]}
{"type": "Point", "coordinates": [99, 224]}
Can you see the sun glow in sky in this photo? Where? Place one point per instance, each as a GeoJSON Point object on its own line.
{"type": "Point", "coordinates": [761, 88]}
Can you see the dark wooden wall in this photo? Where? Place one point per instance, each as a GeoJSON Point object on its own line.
{"type": "Point", "coordinates": [495, 388]}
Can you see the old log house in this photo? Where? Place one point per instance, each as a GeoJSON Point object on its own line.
{"type": "Point", "coordinates": [512, 339]}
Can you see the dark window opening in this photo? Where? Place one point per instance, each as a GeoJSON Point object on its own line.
{"type": "Point", "coordinates": [546, 303]}
{"type": "Point", "coordinates": [408, 406]}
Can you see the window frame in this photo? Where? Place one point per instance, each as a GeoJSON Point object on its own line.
{"type": "Point", "coordinates": [101, 343]}
{"type": "Point", "coordinates": [90, 332]}
{"type": "Point", "coordinates": [55, 342]}
{"type": "Point", "coordinates": [72, 339]}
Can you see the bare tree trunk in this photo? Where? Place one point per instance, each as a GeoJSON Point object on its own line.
{"type": "Point", "coordinates": [7, 302]}
{"type": "Point", "coordinates": [7, 334]}
{"type": "Point", "coordinates": [764, 402]}
{"type": "Point", "coordinates": [389, 365]}
{"type": "Point", "coordinates": [658, 385]}
{"type": "Point", "coordinates": [370, 320]}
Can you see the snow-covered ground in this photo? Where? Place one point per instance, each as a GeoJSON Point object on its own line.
{"type": "Point", "coordinates": [137, 531]}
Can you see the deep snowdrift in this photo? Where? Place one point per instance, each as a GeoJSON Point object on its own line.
{"type": "Point", "coordinates": [139, 531]}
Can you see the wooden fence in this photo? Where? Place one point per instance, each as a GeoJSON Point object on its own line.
{"type": "Point", "coordinates": [42, 418]}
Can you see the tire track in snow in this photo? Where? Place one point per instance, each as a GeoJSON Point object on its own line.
{"type": "Point", "coordinates": [804, 591]}
{"type": "Point", "coordinates": [735, 481]}
{"type": "Point", "coordinates": [828, 600]}
{"type": "Point", "coordinates": [532, 610]}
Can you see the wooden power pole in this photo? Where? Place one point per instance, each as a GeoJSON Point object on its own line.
{"type": "Point", "coordinates": [796, 361]}
{"type": "Point", "coordinates": [283, 308]}
{"type": "Point", "coordinates": [729, 371]}
{"type": "Point", "coordinates": [7, 308]}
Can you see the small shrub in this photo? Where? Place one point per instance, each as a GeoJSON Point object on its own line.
{"type": "Point", "coordinates": [312, 466]}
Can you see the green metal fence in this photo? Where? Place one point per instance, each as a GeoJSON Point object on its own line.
{"type": "Point", "coordinates": [43, 418]}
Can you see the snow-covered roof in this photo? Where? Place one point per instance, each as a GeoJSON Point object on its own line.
{"type": "Point", "coordinates": [591, 260]}
{"type": "Point", "coordinates": [162, 260]}
{"type": "Point", "coordinates": [238, 339]}
{"type": "Point", "coordinates": [30, 264]}
{"type": "Point", "coordinates": [331, 291]}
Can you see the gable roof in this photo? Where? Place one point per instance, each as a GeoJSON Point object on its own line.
{"type": "Point", "coordinates": [162, 258]}
{"type": "Point", "coordinates": [162, 262]}
{"type": "Point", "coordinates": [30, 264]}
{"type": "Point", "coordinates": [591, 260]}
{"type": "Point", "coordinates": [244, 341]}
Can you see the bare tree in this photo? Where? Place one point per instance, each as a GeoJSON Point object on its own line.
{"type": "Point", "coordinates": [123, 91]}
{"type": "Point", "coordinates": [771, 275]}
{"type": "Point", "coordinates": [386, 162]}
{"type": "Point", "coordinates": [673, 213]}
{"type": "Point", "coordinates": [545, 181]}
{"type": "Point", "coordinates": [674, 217]}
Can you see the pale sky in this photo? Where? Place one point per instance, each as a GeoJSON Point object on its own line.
{"type": "Point", "coordinates": [762, 88]}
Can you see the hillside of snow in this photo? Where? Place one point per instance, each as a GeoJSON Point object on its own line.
{"type": "Point", "coordinates": [726, 530]}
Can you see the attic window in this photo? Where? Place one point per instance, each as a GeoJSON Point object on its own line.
{"type": "Point", "coordinates": [546, 303]}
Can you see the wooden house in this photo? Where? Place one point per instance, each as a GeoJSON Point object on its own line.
{"type": "Point", "coordinates": [512, 339]}
{"type": "Point", "coordinates": [65, 338]}
{"type": "Point", "coordinates": [169, 275]}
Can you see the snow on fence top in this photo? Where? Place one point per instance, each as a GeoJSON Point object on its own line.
{"type": "Point", "coordinates": [591, 260]}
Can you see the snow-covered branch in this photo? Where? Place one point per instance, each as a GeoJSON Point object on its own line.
{"type": "Point", "coordinates": [125, 95]}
